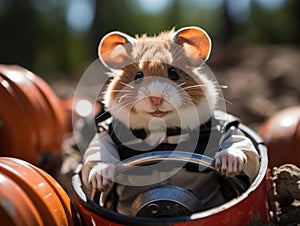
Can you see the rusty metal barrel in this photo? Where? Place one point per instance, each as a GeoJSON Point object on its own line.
{"type": "Point", "coordinates": [29, 196]}
{"type": "Point", "coordinates": [281, 133]}
{"type": "Point", "coordinates": [31, 117]}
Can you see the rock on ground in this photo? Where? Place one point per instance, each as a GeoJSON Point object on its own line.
{"type": "Point", "coordinates": [286, 181]}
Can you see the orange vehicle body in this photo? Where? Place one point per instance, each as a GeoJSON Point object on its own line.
{"type": "Point", "coordinates": [30, 196]}
{"type": "Point", "coordinates": [281, 133]}
{"type": "Point", "coordinates": [31, 118]}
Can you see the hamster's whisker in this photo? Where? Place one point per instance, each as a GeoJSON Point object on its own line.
{"type": "Point", "coordinates": [223, 86]}
{"type": "Point", "coordinates": [125, 84]}
{"type": "Point", "coordinates": [194, 86]}
{"type": "Point", "coordinates": [104, 112]}
{"type": "Point", "coordinates": [123, 106]}
{"type": "Point", "coordinates": [227, 101]}
{"type": "Point", "coordinates": [181, 84]}
{"type": "Point", "coordinates": [118, 105]}
{"type": "Point", "coordinates": [194, 91]}
{"type": "Point", "coordinates": [186, 99]}
{"type": "Point", "coordinates": [109, 109]}
{"type": "Point", "coordinates": [185, 104]}
{"type": "Point", "coordinates": [123, 96]}
{"type": "Point", "coordinates": [116, 91]}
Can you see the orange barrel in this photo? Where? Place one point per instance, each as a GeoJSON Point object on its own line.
{"type": "Point", "coordinates": [29, 196]}
{"type": "Point", "coordinates": [281, 133]}
{"type": "Point", "coordinates": [32, 120]}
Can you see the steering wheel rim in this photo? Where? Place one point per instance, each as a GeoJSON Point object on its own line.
{"type": "Point", "coordinates": [158, 156]}
{"type": "Point", "coordinates": [153, 167]}
{"type": "Point", "coordinates": [175, 156]}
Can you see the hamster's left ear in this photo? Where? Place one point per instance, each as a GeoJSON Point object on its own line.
{"type": "Point", "coordinates": [115, 48]}
{"type": "Point", "coordinates": [195, 42]}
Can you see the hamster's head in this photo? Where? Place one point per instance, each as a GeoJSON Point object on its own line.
{"type": "Point", "coordinates": [159, 77]}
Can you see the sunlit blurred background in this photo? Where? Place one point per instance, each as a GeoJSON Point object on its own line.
{"type": "Point", "coordinates": [251, 39]}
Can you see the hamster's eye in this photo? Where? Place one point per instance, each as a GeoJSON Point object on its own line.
{"type": "Point", "coordinates": [139, 77]}
{"type": "Point", "coordinates": [173, 74]}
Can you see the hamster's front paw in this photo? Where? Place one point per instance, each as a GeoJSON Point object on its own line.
{"type": "Point", "coordinates": [230, 162]}
{"type": "Point", "coordinates": [101, 176]}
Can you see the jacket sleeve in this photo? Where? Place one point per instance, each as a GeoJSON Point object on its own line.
{"type": "Point", "coordinates": [101, 149]}
{"type": "Point", "coordinates": [235, 138]}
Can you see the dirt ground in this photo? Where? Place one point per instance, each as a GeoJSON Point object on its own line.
{"type": "Point", "coordinates": [286, 180]}
{"type": "Point", "coordinates": [261, 80]}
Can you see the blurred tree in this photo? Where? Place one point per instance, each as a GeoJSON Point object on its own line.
{"type": "Point", "coordinates": [228, 30]}
{"type": "Point", "coordinates": [110, 15]}
{"type": "Point", "coordinates": [35, 33]}
{"type": "Point", "coordinates": [54, 42]}
{"type": "Point", "coordinates": [293, 12]}
{"type": "Point", "coordinates": [268, 25]}
{"type": "Point", "coordinates": [173, 14]}
{"type": "Point", "coordinates": [18, 24]}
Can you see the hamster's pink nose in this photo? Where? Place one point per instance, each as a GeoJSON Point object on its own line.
{"type": "Point", "coordinates": [156, 100]}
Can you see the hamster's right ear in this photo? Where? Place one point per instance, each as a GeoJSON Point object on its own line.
{"type": "Point", "coordinates": [114, 50]}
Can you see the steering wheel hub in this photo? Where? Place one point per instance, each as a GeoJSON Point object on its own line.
{"type": "Point", "coordinates": [165, 201]}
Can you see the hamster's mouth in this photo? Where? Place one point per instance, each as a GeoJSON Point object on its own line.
{"type": "Point", "coordinates": [159, 113]}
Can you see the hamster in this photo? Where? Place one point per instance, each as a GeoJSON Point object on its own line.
{"type": "Point", "coordinates": [157, 83]}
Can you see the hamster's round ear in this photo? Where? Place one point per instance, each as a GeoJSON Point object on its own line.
{"type": "Point", "coordinates": [196, 43]}
{"type": "Point", "coordinates": [114, 50]}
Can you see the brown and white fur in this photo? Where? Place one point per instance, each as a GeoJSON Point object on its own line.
{"type": "Point", "coordinates": [186, 102]}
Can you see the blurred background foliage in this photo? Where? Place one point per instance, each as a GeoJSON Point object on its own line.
{"type": "Point", "coordinates": [59, 39]}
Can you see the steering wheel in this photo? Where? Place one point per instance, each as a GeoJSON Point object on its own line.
{"type": "Point", "coordinates": [171, 159]}
{"type": "Point", "coordinates": [168, 200]}
{"type": "Point", "coordinates": [152, 157]}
